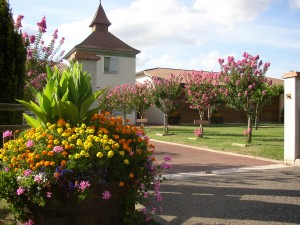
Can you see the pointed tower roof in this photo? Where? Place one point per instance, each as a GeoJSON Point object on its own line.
{"type": "Point", "coordinates": [100, 19]}
{"type": "Point", "coordinates": [101, 41]}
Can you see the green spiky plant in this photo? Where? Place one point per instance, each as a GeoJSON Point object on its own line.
{"type": "Point", "coordinates": [67, 95]}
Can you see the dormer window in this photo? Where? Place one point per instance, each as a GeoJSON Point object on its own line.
{"type": "Point", "coordinates": [110, 65]}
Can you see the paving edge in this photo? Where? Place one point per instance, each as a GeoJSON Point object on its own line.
{"type": "Point", "coordinates": [219, 151]}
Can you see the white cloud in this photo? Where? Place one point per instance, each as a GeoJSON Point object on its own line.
{"type": "Point", "coordinates": [294, 4]}
{"type": "Point", "coordinates": [230, 12]}
{"type": "Point", "coordinates": [74, 32]}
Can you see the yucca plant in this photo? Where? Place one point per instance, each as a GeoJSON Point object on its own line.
{"type": "Point", "coordinates": [67, 95]}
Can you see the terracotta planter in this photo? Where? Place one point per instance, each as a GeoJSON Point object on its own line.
{"type": "Point", "coordinates": [62, 210]}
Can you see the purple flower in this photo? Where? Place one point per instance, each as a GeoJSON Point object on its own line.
{"type": "Point", "coordinates": [58, 149]}
{"type": "Point", "coordinates": [167, 158]}
{"type": "Point", "coordinates": [106, 195]}
{"type": "Point", "coordinates": [29, 143]}
{"type": "Point", "coordinates": [20, 190]}
{"type": "Point", "coordinates": [7, 133]}
{"type": "Point", "coordinates": [6, 169]}
{"type": "Point", "coordinates": [166, 166]}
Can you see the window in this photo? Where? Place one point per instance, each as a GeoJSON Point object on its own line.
{"type": "Point", "coordinates": [110, 65]}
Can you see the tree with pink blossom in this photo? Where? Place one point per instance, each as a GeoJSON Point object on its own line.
{"type": "Point", "coordinates": [167, 96]}
{"type": "Point", "coordinates": [39, 54]}
{"type": "Point", "coordinates": [118, 98]}
{"type": "Point", "coordinates": [203, 92]}
{"type": "Point", "coordinates": [244, 81]}
{"type": "Point", "coordinates": [142, 97]}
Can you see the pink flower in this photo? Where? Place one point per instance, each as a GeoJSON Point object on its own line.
{"type": "Point", "coordinates": [37, 178]}
{"type": "Point", "coordinates": [106, 195]}
{"type": "Point", "coordinates": [264, 92]}
{"type": "Point", "coordinates": [48, 194]}
{"type": "Point", "coordinates": [29, 222]}
{"type": "Point", "coordinates": [29, 143]}
{"type": "Point", "coordinates": [58, 149]}
{"type": "Point", "coordinates": [246, 93]}
{"type": "Point", "coordinates": [55, 34]}
{"type": "Point", "coordinates": [42, 25]}
{"type": "Point", "coordinates": [83, 185]}
{"type": "Point", "coordinates": [18, 22]}
{"type": "Point", "coordinates": [6, 169]}
{"type": "Point", "coordinates": [20, 190]}
{"type": "Point", "coordinates": [32, 39]}
{"type": "Point", "coordinates": [27, 172]}
{"type": "Point", "coordinates": [7, 133]}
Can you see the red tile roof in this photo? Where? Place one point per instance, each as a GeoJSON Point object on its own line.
{"type": "Point", "coordinates": [104, 40]}
{"type": "Point", "coordinates": [165, 73]}
{"type": "Point", "coordinates": [100, 17]}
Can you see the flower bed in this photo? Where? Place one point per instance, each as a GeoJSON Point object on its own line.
{"type": "Point", "coordinates": [74, 160]}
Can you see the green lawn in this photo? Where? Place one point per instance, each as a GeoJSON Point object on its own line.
{"type": "Point", "coordinates": [267, 141]}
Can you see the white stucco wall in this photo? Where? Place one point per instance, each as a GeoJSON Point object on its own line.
{"type": "Point", "coordinates": [292, 120]}
{"type": "Point", "coordinates": [125, 74]}
{"type": "Point", "coordinates": [101, 80]}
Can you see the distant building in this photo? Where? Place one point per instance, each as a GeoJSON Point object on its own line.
{"type": "Point", "coordinates": [272, 112]}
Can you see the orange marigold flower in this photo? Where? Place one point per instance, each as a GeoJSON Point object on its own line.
{"type": "Point", "coordinates": [50, 153]}
{"type": "Point", "coordinates": [47, 163]}
{"type": "Point", "coordinates": [61, 122]}
{"type": "Point", "coordinates": [56, 175]}
{"type": "Point", "coordinates": [52, 163]}
{"type": "Point", "coordinates": [37, 156]}
{"type": "Point", "coordinates": [63, 162]}
{"type": "Point", "coordinates": [131, 175]}
{"type": "Point", "coordinates": [49, 146]}
{"type": "Point", "coordinates": [44, 152]}
{"type": "Point", "coordinates": [121, 184]}
{"type": "Point", "coordinates": [64, 153]}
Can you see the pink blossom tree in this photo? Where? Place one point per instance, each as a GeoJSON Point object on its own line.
{"type": "Point", "coordinates": [39, 54]}
{"type": "Point", "coordinates": [167, 96]}
{"type": "Point", "coordinates": [244, 81]}
{"type": "Point", "coordinates": [120, 98]}
{"type": "Point", "coordinates": [203, 93]}
{"type": "Point", "coordinates": [142, 97]}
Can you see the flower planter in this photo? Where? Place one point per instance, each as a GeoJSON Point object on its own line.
{"type": "Point", "coordinates": [63, 210]}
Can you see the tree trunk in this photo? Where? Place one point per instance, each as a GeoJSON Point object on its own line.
{"type": "Point", "coordinates": [166, 124]}
{"type": "Point", "coordinates": [124, 117]}
{"type": "Point", "coordinates": [249, 139]}
{"type": "Point", "coordinates": [201, 125]}
{"type": "Point", "coordinates": [256, 117]}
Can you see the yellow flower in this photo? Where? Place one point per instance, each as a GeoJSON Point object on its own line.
{"type": "Point", "coordinates": [59, 130]}
{"type": "Point", "coordinates": [56, 142]}
{"type": "Point", "coordinates": [121, 153]}
{"type": "Point", "coordinates": [126, 161]}
{"type": "Point", "coordinates": [79, 142]}
{"type": "Point", "coordinates": [107, 147]}
{"type": "Point", "coordinates": [77, 156]}
{"type": "Point", "coordinates": [99, 155]}
{"type": "Point", "coordinates": [110, 154]}
{"type": "Point", "coordinates": [83, 126]}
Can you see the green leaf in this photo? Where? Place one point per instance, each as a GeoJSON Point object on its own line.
{"type": "Point", "coordinates": [32, 121]}
{"type": "Point", "coordinates": [35, 109]}
{"type": "Point", "coordinates": [88, 102]}
{"type": "Point", "coordinates": [72, 112]}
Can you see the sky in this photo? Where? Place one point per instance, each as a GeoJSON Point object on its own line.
{"type": "Point", "coordinates": [181, 34]}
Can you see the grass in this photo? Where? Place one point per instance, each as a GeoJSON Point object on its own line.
{"type": "Point", "coordinates": [267, 141]}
